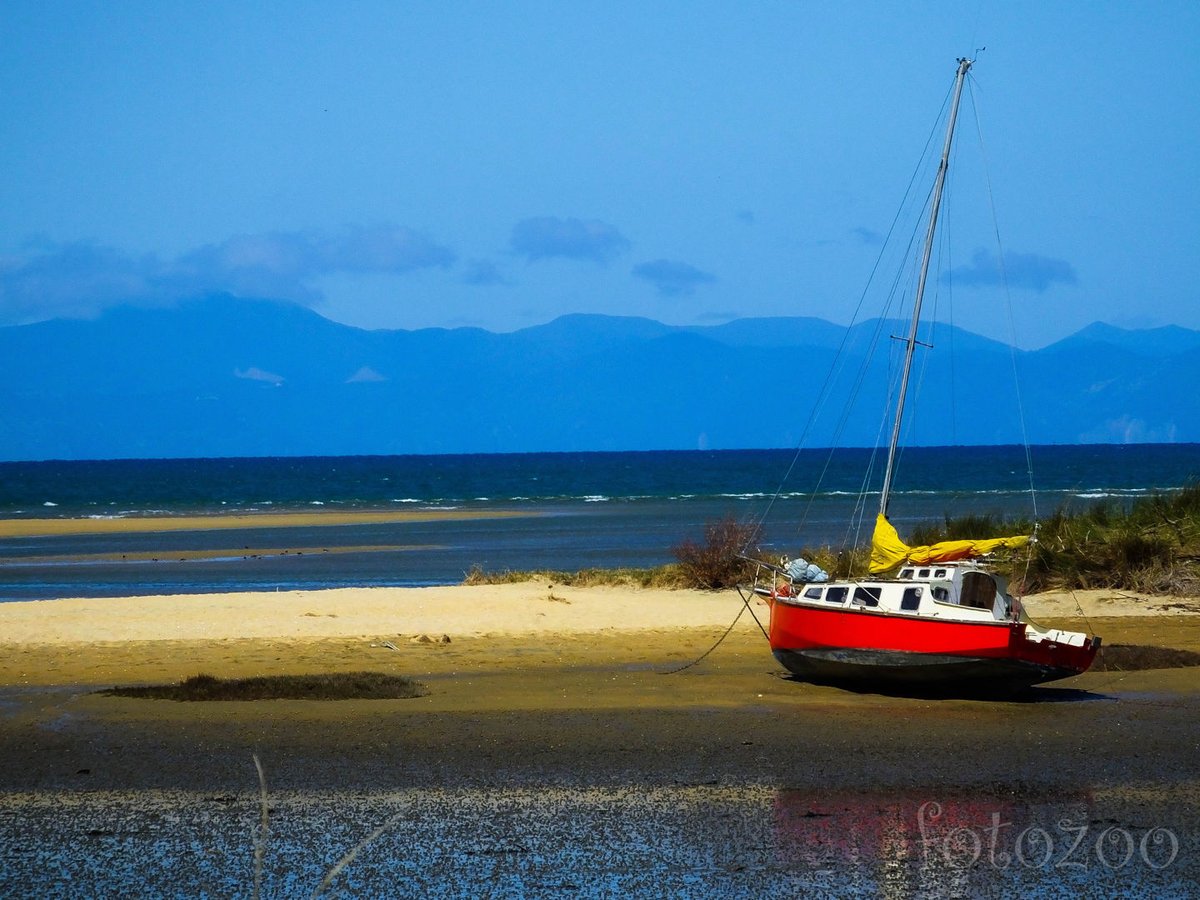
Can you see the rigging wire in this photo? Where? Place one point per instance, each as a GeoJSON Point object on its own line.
{"type": "Point", "coordinates": [1012, 327]}
{"type": "Point", "coordinates": [840, 356]}
{"type": "Point", "coordinates": [1012, 350]}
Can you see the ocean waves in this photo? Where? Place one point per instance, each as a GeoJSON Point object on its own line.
{"type": "Point", "coordinates": [559, 512]}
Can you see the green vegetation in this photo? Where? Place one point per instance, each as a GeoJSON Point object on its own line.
{"type": "Point", "coordinates": [966, 528]}
{"type": "Point", "coordinates": [332, 686]}
{"type": "Point", "coordinates": [1152, 546]}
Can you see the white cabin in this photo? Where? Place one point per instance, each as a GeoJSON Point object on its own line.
{"type": "Point", "coordinates": [963, 591]}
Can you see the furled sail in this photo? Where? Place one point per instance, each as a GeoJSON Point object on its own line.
{"type": "Point", "coordinates": [888, 551]}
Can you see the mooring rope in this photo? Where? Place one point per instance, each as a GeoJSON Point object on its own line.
{"type": "Point", "coordinates": [736, 619]}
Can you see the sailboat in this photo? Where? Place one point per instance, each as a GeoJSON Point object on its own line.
{"type": "Point", "coordinates": [928, 617]}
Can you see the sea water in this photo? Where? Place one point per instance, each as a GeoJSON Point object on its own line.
{"type": "Point", "coordinates": [576, 510]}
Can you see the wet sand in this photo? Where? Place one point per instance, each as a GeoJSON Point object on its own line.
{"type": "Point", "coordinates": [556, 753]}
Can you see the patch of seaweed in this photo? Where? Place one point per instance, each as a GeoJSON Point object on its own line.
{"type": "Point", "coordinates": [1134, 657]}
{"type": "Point", "coordinates": [327, 686]}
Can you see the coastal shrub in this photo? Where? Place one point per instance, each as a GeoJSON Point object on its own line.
{"type": "Point", "coordinates": [972, 527]}
{"type": "Point", "coordinates": [1151, 546]}
{"type": "Point", "coordinates": [720, 562]}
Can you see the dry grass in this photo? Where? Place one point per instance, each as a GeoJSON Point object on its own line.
{"type": "Point", "coordinates": [663, 577]}
{"type": "Point", "coordinates": [333, 686]}
{"type": "Point", "coordinates": [1152, 546]}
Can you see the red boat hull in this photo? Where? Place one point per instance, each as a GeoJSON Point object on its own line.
{"type": "Point", "coordinates": [869, 647]}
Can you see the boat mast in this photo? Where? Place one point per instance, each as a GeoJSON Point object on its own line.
{"type": "Point", "coordinates": [964, 65]}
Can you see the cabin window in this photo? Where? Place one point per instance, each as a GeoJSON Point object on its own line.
{"type": "Point", "coordinates": [813, 593]}
{"type": "Point", "coordinates": [836, 595]}
{"type": "Point", "coordinates": [939, 573]}
{"type": "Point", "coordinates": [924, 573]}
{"type": "Point", "coordinates": [912, 599]}
{"type": "Point", "coordinates": [867, 596]}
{"type": "Point", "coordinates": [940, 593]}
{"type": "Point", "coordinates": [978, 590]}
{"type": "Point", "coordinates": [906, 573]}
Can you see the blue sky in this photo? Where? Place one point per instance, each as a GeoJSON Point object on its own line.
{"type": "Point", "coordinates": [403, 165]}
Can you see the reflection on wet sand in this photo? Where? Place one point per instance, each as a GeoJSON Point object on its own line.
{"type": "Point", "coordinates": [597, 842]}
{"type": "Point", "coordinates": [954, 842]}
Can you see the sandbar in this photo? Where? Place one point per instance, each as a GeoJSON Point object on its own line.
{"type": "Point", "coordinates": [532, 608]}
{"type": "Point", "coordinates": [511, 628]}
{"type": "Point", "coordinates": [17, 527]}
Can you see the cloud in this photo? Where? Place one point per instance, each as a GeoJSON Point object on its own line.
{"type": "Point", "coordinates": [672, 279]}
{"type": "Point", "coordinates": [546, 237]}
{"type": "Point", "coordinates": [278, 264]}
{"type": "Point", "coordinates": [44, 279]}
{"type": "Point", "coordinates": [1021, 270]}
{"type": "Point", "coordinates": [483, 272]}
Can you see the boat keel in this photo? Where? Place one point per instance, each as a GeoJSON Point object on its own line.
{"type": "Point", "coordinates": [892, 671]}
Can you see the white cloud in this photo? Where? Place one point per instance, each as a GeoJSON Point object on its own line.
{"type": "Point", "coordinates": [1020, 270]}
{"type": "Point", "coordinates": [45, 279]}
{"type": "Point", "coordinates": [546, 237]}
{"type": "Point", "coordinates": [672, 278]}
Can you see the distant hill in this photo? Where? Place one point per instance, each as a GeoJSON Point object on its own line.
{"type": "Point", "coordinates": [222, 376]}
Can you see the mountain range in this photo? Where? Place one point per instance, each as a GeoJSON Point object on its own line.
{"type": "Point", "coordinates": [226, 376]}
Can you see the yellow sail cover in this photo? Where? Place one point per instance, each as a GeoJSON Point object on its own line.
{"type": "Point", "coordinates": [888, 551]}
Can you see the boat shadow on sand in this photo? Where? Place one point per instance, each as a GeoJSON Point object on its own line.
{"type": "Point", "coordinates": [1034, 694]}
